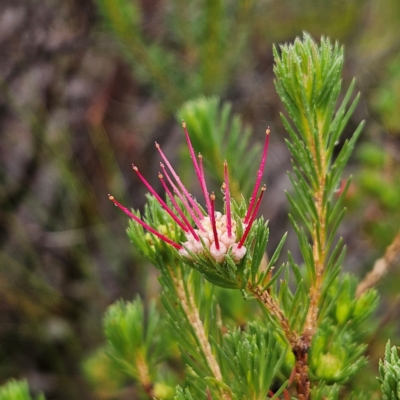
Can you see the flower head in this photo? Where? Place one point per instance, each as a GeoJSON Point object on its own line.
{"type": "Point", "coordinates": [210, 232]}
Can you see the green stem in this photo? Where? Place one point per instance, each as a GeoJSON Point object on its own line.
{"type": "Point", "coordinates": [189, 307]}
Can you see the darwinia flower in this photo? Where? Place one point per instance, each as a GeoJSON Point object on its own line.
{"type": "Point", "coordinates": [213, 231]}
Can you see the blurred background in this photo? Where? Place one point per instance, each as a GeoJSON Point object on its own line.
{"type": "Point", "coordinates": [87, 86]}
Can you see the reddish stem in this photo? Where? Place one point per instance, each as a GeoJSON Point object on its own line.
{"type": "Point", "coordinates": [148, 227]}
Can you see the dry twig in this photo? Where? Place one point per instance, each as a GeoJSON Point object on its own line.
{"type": "Point", "coordinates": [381, 267]}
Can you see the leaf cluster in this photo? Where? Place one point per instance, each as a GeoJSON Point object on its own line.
{"type": "Point", "coordinates": [251, 360]}
{"type": "Point", "coordinates": [337, 349]}
{"type": "Point", "coordinates": [389, 374]}
{"type": "Point", "coordinates": [149, 245]}
{"type": "Point", "coordinates": [257, 357]}
{"type": "Point", "coordinates": [17, 390]}
{"type": "Point", "coordinates": [294, 304]}
{"type": "Point", "coordinates": [103, 374]}
{"type": "Point", "coordinates": [308, 81]}
{"type": "Point", "coordinates": [194, 319]}
{"type": "Point", "coordinates": [135, 342]}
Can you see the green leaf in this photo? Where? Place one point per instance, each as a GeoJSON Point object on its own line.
{"type": "Point", "coordinates": [254, 358]}
{"type": "Point", "coordinates": [134, 340]}
{"type": "Point", "coordinates": [389, 374]}
{"type": "Point", "coordinates": [16, 390]}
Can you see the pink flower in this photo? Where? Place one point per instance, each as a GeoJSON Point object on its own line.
{"type": "Point", "coordinates": [212, 233]}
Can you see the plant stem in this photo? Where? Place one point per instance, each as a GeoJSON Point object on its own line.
{"type": "Point", "coordinates": [318, 238]}
{"type": "Point", "coordinates": [273, 307]}
{"type": "Point", "coordinates": [144, 376]}
{"type": "Point", "coordinates": [297, 343]}
{"type": "Point", "coordinates": [301, 370]}
{"type": "Point", "coordinates": [189, 307]}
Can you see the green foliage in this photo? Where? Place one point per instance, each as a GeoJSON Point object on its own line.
{"type": "Point", "coordinates": [389, 374]}
{"type": "Point", "coordinates": [183, 394]}
{"type": "Point", "coordinates": [334, 357]}
{"type": "Point", "coordinates": [135, 340]}
{"type": "Point", "coordinates": [386, 99]}
{"type": "Point", "coordinates": [191, 55]}
{"type": "Point", "coordinates": [257, 356]}
{"type": "Point", "coordinates": [148, 244]}
{"type": "Point", "coordinates": [16, 390]}
{"type": "Point", "coordinates": [336, 351]}
{"type": "Point", "coordinates": [324, 392]}
{"type": "Point", "coordinates": [193, 48]}
{"type": "Point", "coordinates": [377, 189]}
{"type": "Point", "coordinates": [194, 319]}
{"type": "Point", "coordinates": [312, 313]}
{"type": "Point", "coordinates": [103, 373]}
{"type": "Point", "coordinates": [294, 305]}
{"type": "Point", "coordinates": [227, 274]}
{"type": "Point", "coordinates": [308, 81]}
{"type": "Point", "coordinates": [220, 135]}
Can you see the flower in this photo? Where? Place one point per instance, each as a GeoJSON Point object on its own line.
{"type": "Point", "coordinates": [208, 233]}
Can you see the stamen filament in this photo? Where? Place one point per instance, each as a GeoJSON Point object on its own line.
{"type": "Point", "coordinates": [148, 227]}
{"type": "Point", "coordinates": [191, 150]}
{"type": "Point", "coordinates": [178, 209]}
{"type": "Point", "coordinates": [259, 177]}
{"type": "Point", "coordinates": [227, 201]}
{"type": "Point", "coordinates": [163, 204]}
{"type": "Point", "coordinates": [213, 223]}
{"type": "Point", "coordinates": [257, 206]}
{"type": "Point", "coordinates": [252, 218]}
{"type": "Point", "coordinates": [180, 184]}
{"type": "Point", "coordinates": [203, 183]}
{"type": "Point", "coordinates": [182, 198]}
{"type": "Point", "coordinates": [198, 169]}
